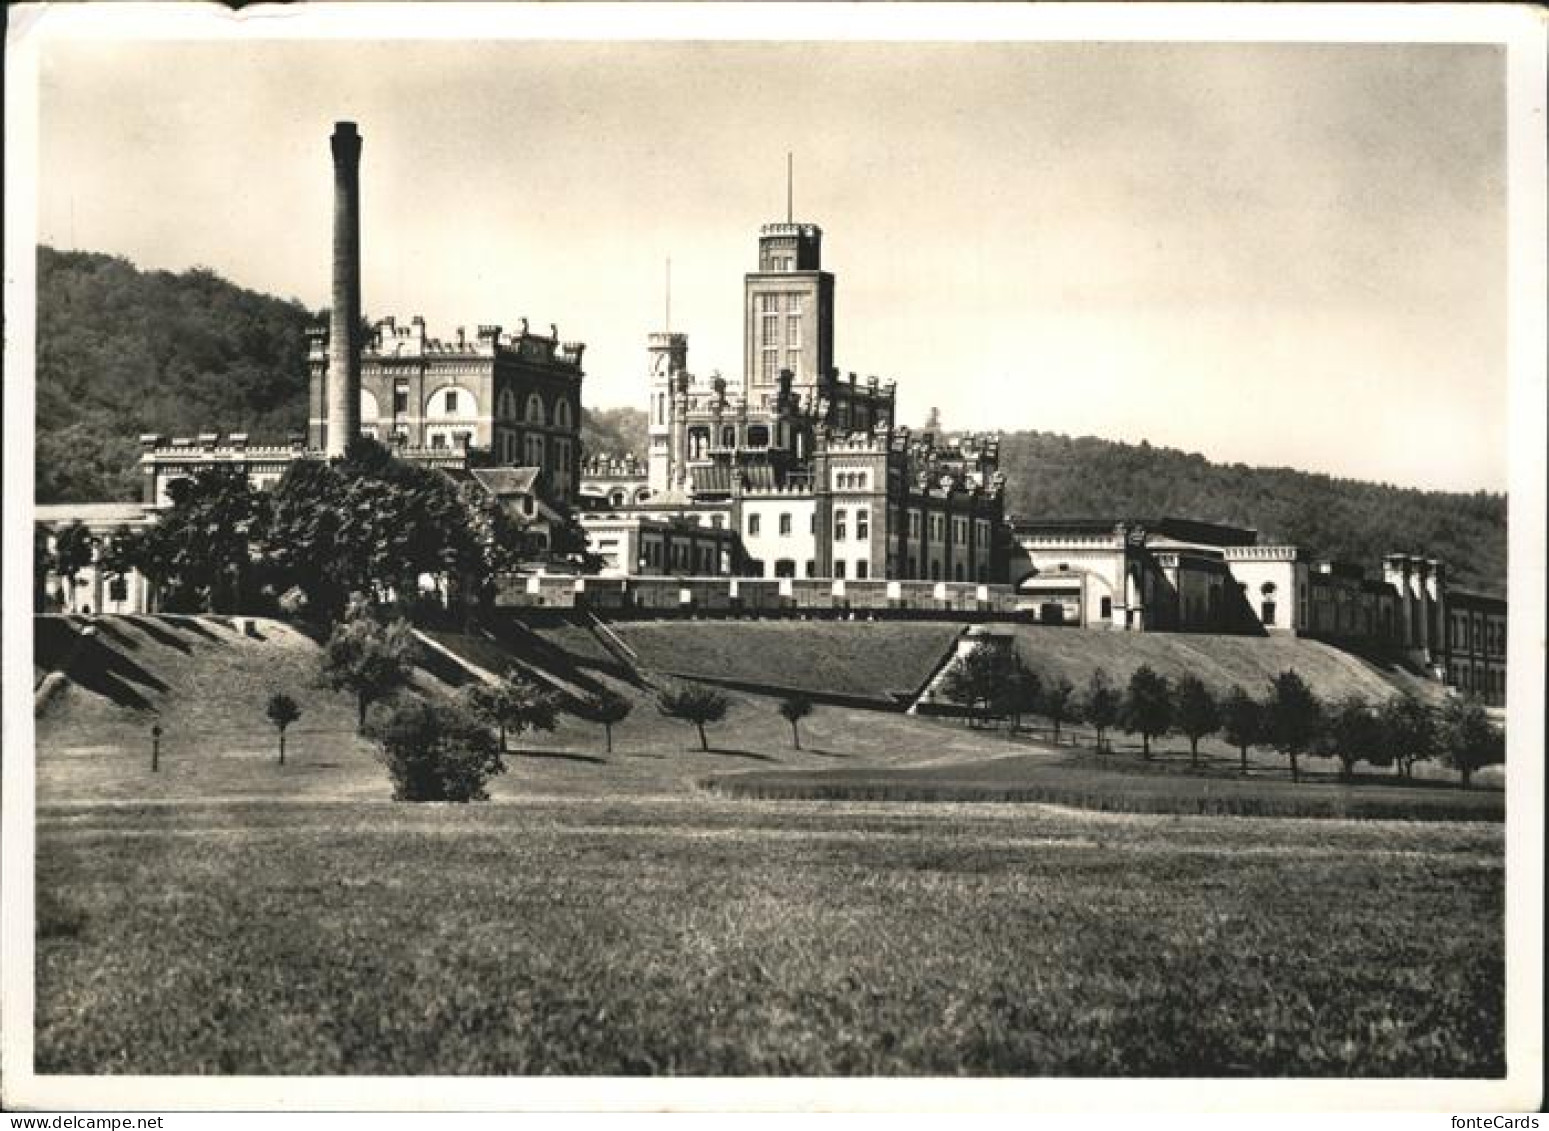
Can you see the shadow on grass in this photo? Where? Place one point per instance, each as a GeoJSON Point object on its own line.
{"type": "Point", "coordinates": [443, 667]}
{"type": "Point", "coordinates": [109, 673]}
{"type": "Point", "coordinates": [160, 634]}
{"type": "Point", "coordinates": [195, 626]}
{"type": "Point", "coordinates": [728, 752]}
{"type": "Point", "coordinates": [111, 631]}
{"type": "Point", "coordinates": [558, 756]}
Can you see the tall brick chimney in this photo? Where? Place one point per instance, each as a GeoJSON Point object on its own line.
{"type": "Point", "coordinates": [343, 409]}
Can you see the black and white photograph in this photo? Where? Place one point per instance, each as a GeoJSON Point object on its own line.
{"type": "Point", "coordinates": [770, 557]}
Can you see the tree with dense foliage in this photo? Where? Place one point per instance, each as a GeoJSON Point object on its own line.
{"type": "Point", "coordinates": [435, 751]}
{"type": "Point", "coordinates": [1100, 706]}
{"type": "Point", "coordinates": [370, 656]}
{"type": "Point", "coordinates": [980, 681]}
{"type": "Point", "coordinates": [1469, 740]}
{"type": "Point", "coordinates": [794, 708]}
{"type": "Point", "coordinates": [1197, 713]}
{"type": "Point", "coordinates": [202, 549]}
{"type": "Point", "coordinates": [1409, 731]}
{"type": "Point", "coordinates": [123, 351]}
{"type": "Point", "coordinates": [1242, 721]}
{"type": "Point", "coordinates": [513, 705]}
{"type": "Point", "coordinates": [73, 549]}
{"type": "Point", "coordinates": [374, 524]}
{"type": "Point", "coordinates": [1293, 718]}
{"type": "Point", "coordinates": [609, 708]}
{"type": "Point", "coordinates": [693, 703]}
{"type": "Point", "coordinates": [42, 566]}
{"type": "Point", "coordinates": [1148, 706]}
{"type": "Point", "coordinates": [1024, 692]}
{"type": "Point", "coordinates": [281, 710]}
{"type": "Point", "coordinates": [1352, 732]}
{"type": "Point", "coordinates": [1057, 703]}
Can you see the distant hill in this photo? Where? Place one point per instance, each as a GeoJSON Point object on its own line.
{"type": "Point", "coordinates": [123, 351]}
{"type": "Point", "coordinates": [1053, 476]}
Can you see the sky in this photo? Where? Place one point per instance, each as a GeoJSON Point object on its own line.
{"type": "Point", "coordinates": [1278, 254]}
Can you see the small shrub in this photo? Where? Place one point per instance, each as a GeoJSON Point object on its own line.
{"type": "Point", "coordinates": [434, 751]}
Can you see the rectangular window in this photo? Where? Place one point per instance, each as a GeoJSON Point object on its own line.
{"type": "Point", "coordinates": [770, 334]}
{"type": "Point", "coordinates": [785, 524]}
{"type": "Point", "coordinates": [914, 526]}
{"type": "Point", "coordinates": [717, 522]}
{"type": "Point", "coordinates": [793, 362]}
{"type": "Point", "coordinates": [812, 523]}
{"type": "Point", "coordinates": [438, 440]}
{"type": "Point", "coordinates": [400, 400]}
{"type": "Point", "coordinates": [753, 524]}
{"type": "Point", "coordinates": [769, 304]}
{"type": "Point", "coordinates": [767, 365]}
{"type": "Point", "coordinates": [451, 402]}
{"type": "Point", "coordinates": [862, 570]}
{"type": "Point", "coordinates": [793, 304]}
{"type": "Point", "coordinates": [863, 524]}
{"type": "Point", "coordinates": [812, 568]}
{"type": "Point", "coordinates": [839, 570]}
{"type": "Point", "coordinates": [841, 527]}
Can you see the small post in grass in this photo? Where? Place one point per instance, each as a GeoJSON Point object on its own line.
{"type": "Point", "coordinates": [155, 746]}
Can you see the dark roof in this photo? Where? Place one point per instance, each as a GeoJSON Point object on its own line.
{"type": "Point", "coordinates": [1469, 598]}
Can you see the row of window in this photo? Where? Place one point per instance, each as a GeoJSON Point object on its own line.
{"type": "Point", "coordinates": [850, 480]}
{"type": "Point", "coordinates": [963, 531]}
{"type": "Point", "coordinates": [1470, 634]}
{"type": "Point", "coordinates": [959, 573]}
{"type": "Point", "coordinates": [1489, 684]}
{"type": "Point", "coordinates": [681, 556]}
{"type": "Point", "coordinates": [462, 403]}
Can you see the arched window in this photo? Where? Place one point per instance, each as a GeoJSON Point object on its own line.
{"type": "Point", "coordinates": [562, 413]}
{"type": "Point", "coordinates": [535, 413]}
{"type": "Point", "coordinates": [449, 400]}
{"type": "Point", "coordinates": [506, 406]}
{"type": "Point", "coordinates": [728, 437]}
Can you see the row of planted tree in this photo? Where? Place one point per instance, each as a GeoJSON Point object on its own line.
{"type": "Point", "coordinates": [365, 523]}
{"type": "Point", "coordinates": [991, 683]}
{"type": "Point", "coordinates": [447, 750]}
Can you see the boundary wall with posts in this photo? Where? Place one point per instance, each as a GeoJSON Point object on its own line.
{"type": "Point", "coordinates": [739, 596]}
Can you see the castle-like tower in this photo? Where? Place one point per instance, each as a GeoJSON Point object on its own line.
{"type": "Point", "coordinates": [809, 467]}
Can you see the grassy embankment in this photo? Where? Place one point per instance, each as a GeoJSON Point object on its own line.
{"type": "Point", "coordinates": [601, 915]}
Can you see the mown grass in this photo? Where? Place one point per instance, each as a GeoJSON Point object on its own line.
{"type": "Point", "coordinates": [695, 935]}
{"type": "Point", "coordinates": [885, 661]}
{"type": "Point", "coordinates": [1108, 785]}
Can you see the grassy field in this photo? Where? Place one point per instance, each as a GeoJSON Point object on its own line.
{"type": "Point", "coordinates": [1120, 785]}
{"type": "Point", "coordinates": [687, 935]}
{"type": "Point", "coordinates": [604, 914]}
{"type": "Point", "coordinates": [884, 661]}
{"type": "Point", "coordinates": [1219, 661]}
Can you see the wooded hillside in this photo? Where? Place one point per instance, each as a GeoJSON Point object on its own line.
{"type": "Point", "coordinates": [123, 351]}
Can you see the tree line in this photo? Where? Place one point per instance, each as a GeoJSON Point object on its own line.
{"type": "Point", "coordinates": [991, 682]}
{"type": "Point", "coordinates": [367, 523]}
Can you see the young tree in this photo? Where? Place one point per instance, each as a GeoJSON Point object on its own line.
{"type": "Point", "coordinates": [1352, 733]}
{"type": "Point", "coordinates": [1293, 717]}
{"type": "Point", "coordinates": [1024, 693]}
{"type": "Point", "coordinates": [435, 752]}
{"type": "Point", "coordinates": [609, 708]}
{"type": "Point", "coordinates": [73, 547]}
{"type": "Point", "coordinates": [1148, 707]}
{"type": "Point", "coordinates": [282, 711]}
{"type": "Point", "coordinates": [794, 708]}
{"type": "Point", "coordinates": [1409, 732]}
{"type": "Point", "coordinates": [1198, 714]}
{"type": "Point", "coordinates": [694, 704]}
{"type": "Point", "coordinates": [1101, 707]}
{"type": "Point", "coordinates": [369, 657]}
{"type": "Point", "coordinates": [1242, 721]}
{"type": "Point", "coordinates": [979, 680]}
{"type": "Point", "coordinates": [1057, 703]}
{"type": "Point", "coordinates": [512, 706]}
{"type": "Point", "coordinates": [1469, 740]}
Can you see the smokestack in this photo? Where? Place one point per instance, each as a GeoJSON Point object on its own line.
{"type": "Point", "coordinates": [343, 413]}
